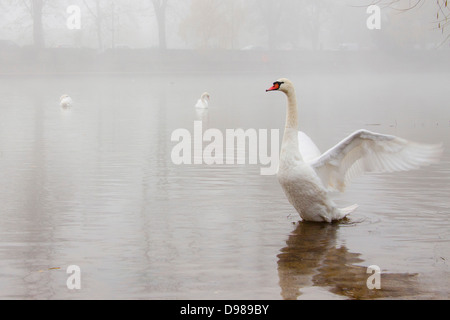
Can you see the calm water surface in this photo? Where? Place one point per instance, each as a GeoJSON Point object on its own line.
{"type": "Point", "coordinates": [94, 186]}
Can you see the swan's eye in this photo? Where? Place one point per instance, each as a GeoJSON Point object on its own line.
{"type": "Point", "coordinates": [276, 86]}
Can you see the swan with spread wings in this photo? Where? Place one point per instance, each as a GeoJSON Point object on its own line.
{"type": "Point", "coordinates": [308, 176]}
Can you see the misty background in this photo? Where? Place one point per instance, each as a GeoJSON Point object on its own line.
{"type": "Point", "coordinates": [216, 35]}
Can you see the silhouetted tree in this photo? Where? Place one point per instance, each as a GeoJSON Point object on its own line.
{"type": "Point", "coordinates": [442, 11]}
{"type": "Point", "coordinates": [38, 30]}
{"type": "Point", "coordinates": [160, 7]}
{"type": "Point", "coordinates": [98, 18]}
{"type": "Point", "coordinates": [214, 24]}
{"type": "Point", "coordinates": [270, 13]}
{"type": "Point", "coordinates": [35, 8]}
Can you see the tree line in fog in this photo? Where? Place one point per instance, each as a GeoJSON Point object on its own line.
{"type": "Point", "coordinates": [222, 24]}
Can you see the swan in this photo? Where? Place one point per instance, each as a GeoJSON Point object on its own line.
{"type": "Point", "coordinates": [203, 102]}
{"type": "Point", "coordinates": [65, 101]}
{"type": "Point", "coordinates": [307, 176]}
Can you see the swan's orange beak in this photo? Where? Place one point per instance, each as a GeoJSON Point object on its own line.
{"type": "Point", "coordinates": [275, 86]}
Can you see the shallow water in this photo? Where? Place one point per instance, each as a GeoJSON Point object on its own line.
{"type": "Point", "coordinates": [95, 186]}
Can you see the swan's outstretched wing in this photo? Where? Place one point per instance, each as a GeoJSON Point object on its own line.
{"type": "Point", "coordinates": [199, 104]}
{"type": "Point", "coordinates": [307, 148]}
{"type": "Point", "coordinates": [202, 104]}
{"type": "Point", "coordinates": [365, 151]}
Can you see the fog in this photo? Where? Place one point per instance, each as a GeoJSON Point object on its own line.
{"type": "Point", "coordinates": [82, 35]}
{"type": "Point", "coordinates": [95, 184]}
{"type": "Point", "coordinates": [227, 25]}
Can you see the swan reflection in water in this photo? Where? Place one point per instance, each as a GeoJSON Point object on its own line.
{"type": "Point", "coordinates": [312, 259]}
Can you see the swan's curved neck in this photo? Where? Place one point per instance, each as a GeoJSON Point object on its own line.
{"type": "Point", "coordinates": [289, 146]}
{"type": "Point", "coordinates": [292, 111]}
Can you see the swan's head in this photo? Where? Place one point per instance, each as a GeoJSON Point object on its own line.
{"type": "Point", "coordinates": [205, 96]}
{"type": "Point", "coordinates": [63, 97]}
{"type": "Point", "coordinates": [283, 84]}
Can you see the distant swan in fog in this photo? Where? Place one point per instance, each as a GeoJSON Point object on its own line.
{"type": "Point", "coordinates": [66, 101]}
{"type": "Point", "coordinates": [307, 176]}
{"type": "Point", "coordinates": [203, 102]}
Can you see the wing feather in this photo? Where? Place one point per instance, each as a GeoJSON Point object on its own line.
{"type": "Point", "coordinates": [307, 148]}
{"type": "Point", "coordinates": [364, 151]}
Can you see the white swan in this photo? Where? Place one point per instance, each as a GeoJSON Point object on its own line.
{"type": "Point", "coordinates": [307, 176]}
{"type": "Point", "coordinates": [65, 101]}
{"type": "Point", "coordinates": [203, 102]}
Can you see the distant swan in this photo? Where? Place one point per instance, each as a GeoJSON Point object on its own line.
{"type": "Point", "coordinates": [66, 101]}
{"type": "Point", "coordinates": [307, 176]}
{"type": "Point", "coordinates": [203, 102]}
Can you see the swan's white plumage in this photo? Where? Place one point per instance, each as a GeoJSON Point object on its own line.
{"type": "Point", "coordinates": [307, 147]}
{"type": "Point", "coordinates": [364, 151]}
{"type": "Point", "coordinates": [307, 176]}
{"type": "Point", "coordinates": [203, 102]}
{"type": "Point", "coordinates": [65, 101]}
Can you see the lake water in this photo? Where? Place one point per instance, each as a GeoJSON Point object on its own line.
{"type": "Point", "coordinates": [94, 186]}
